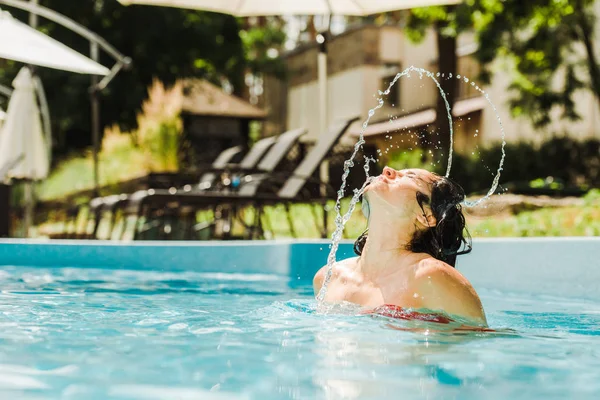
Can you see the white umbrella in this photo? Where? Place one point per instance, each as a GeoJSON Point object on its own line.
{"type": "Point", "coordinates": [22, 43]}
{"type": "Point", "coordinates": [245, 8]}
{"type": "Point", "coordinates": [21, 134]}
{"type": "Point", "coordinates": [23, 150]}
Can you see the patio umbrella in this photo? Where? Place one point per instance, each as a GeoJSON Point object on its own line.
{"type": "Point", "coordinates": [22, 43]}
{"type": "Point", "coordinates": [246, 8]}
{"type": "Point", "coordinates": [22, 131]}
{"type": "Point", "coordinates": [23, 150]}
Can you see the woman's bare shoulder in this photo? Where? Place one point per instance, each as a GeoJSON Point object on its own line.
{"type": "Point", "coordinates": [444, 287]}
{"type": "Point", "coordinates": [338, 268]}
{"type": "Point", "coordinates": [431, 268]}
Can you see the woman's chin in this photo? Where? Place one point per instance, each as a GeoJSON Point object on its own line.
{"type": "Point", "coordinates": [374, 185]}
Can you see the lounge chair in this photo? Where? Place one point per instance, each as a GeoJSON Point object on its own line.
{"type": "Point", "coordinates": [257, 190]}
{"type": "Point", "coordinates": [264, 157]}
{"type": "Point", "coordinates": [101, 207]}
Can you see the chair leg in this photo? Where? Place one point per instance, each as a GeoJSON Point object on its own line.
{"type": "Point", "coordinates": [112, 223]}
{"type": "Point", "coordinates": [266, 223]}
{"type": "Point", "coordinates": [313, 209]}
{"type": "Point", "coordinates": [123, 217]}
{"type": "Point", "coordinates": [288, 213]}
{"type": "Point", "coordinates": [136, 224]}
{"type": "Point", "coordinates": [127, 222]}
{"type": "Point", "coordinates": [97, 220]}
{"type": "Point", "coordinates": [228, 223]}
{"type": "Point", "coordinates": [259, 232]}
{"type": "Point", "coordinates": [189, 229]}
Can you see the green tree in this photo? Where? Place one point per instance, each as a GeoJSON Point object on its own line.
{"type": "Point", "coordinates": [448, 23]}
{"type": "Point", "coordinates": [551, 43]}
{"type": "Point", "coordinates": [263, 39]}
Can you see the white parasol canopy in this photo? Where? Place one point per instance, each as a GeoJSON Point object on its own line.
{"type": "Point", "coordinates": [22, 43]}
{"type": "Point", "coordinates": [22, 145]}
{"type": "Point", "coordinates": [245, 8]}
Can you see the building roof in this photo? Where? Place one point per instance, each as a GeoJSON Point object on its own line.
{"type": "Point", "coordinates": [201, 97]}
{"type": "Point", "coordinates": [420, 118]}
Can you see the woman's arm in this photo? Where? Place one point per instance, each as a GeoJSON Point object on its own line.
{"type": "Point", "coordinates": [319, 279]}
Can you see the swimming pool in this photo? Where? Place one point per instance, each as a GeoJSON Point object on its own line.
{"type": "Point", "coordinates": [218, 321]}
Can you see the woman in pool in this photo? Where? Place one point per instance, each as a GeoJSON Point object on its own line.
{"type": "Point", "coordinates": [406, 258]}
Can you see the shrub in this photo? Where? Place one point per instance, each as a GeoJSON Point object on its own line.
{"type": "Point", "coordinates": [560, 162]}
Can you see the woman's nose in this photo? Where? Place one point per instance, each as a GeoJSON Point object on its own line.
{"type": "Point", "coordinates": [389, 172]}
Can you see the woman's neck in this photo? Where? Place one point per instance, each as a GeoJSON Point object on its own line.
{"type": "Point", "coordinates": [386, 241]}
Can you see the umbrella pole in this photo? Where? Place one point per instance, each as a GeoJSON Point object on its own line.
{"type": "Point", "coordinates": [95, 103]}
{"type": "Point", "coordinates": [323, 117]}
{"type": "Point", "coordinates": [28, 212]}
{"type": "Point", "coordinates": [33, 18]}
{"type": "Point", "coordinates": [324, 112]}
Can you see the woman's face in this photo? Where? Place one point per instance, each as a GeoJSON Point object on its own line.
{"type": "Point", "coordinates": [395, 191]}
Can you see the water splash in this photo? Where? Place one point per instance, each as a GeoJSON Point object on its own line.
{"type": "Point", "coordinates": [341, 220]}
{"type": "Point", "coordinates": [496, 180]}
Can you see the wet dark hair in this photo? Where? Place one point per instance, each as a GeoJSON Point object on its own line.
{"type": "Point", "coordinates": [444, 240]}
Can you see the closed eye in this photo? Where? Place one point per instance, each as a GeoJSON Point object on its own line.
{"type": "Point", "coordinates": [414, 176]}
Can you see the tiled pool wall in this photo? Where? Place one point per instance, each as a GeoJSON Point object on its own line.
{"type": "Point", "coordinates": [568, 267]}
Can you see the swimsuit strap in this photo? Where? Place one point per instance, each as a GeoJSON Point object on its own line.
{"type": "Point", "coordinates": [397, 312]}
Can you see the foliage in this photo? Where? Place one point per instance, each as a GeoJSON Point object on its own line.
{"type": "Point", "coordinates": [407, 159]}
{"type": "Point", "coordinates": [550, 44]}
{"type": "Point", "coordinates": [592, 197]}
{"type": "Point", "coordinates": [559, 163]}
{"type": "Point", "coordinates": [569, 221]}
{"type": "Point", "coordinates": [160, 128]}
{"type": "Point", "coordinates": [262, 43]}
{"type": "Point", "coordinates": [452, 20]}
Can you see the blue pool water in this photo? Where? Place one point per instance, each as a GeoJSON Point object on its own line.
{"type": "Point", "coordinates": [74, 333]}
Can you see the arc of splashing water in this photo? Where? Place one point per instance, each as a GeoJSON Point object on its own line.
{"type": "Point", "coordinates": [340, 221]}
